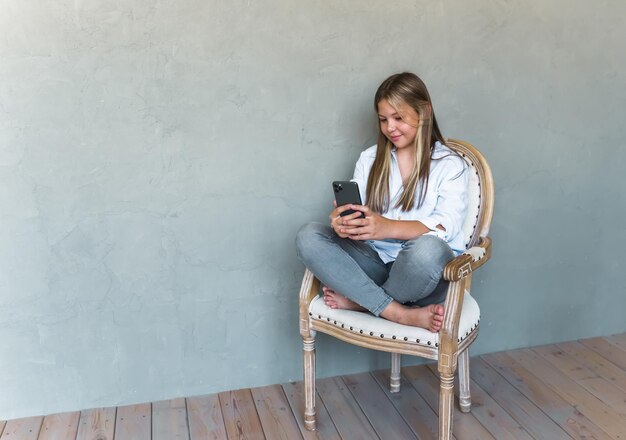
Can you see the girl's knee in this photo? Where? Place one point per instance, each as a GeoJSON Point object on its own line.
{"type": "Point", "coordinates": [309, 235]}
{"type": "Point", "coordinates": [428, 249]}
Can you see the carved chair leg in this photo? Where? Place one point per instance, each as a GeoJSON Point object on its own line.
{"type": "Point", "coordinates": [465, 400]}
{"type": "Point", "coordinates": [395, 373]}
{"type": "Point", "coordinates": [446, 404]}
{"type": "Point", "coordinates": [309, 382]}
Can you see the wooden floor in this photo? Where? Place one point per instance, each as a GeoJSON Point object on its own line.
{"type": "Point", "coordinates": [569, 390]}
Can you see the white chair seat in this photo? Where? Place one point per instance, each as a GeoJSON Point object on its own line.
{"type": "Point", "coordinates": [368, 324]}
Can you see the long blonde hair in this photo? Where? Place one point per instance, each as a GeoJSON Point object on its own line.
{"type": "Point", "coordinates": [404, 88]}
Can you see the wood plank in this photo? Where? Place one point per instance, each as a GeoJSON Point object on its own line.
{"type": "Point", "coordinates": [60, 426]}
{"type": "Point", "coordinates": [169, 420]}
{"type": "Point", "coordinates": [585, 377]}
{"type": "Point", "coordinates": [607, 349]}
{"type": "Point", "coordinates": [578, 386]}
{"type": "Point", "coordinates": [565, 415]}
{"type": "Point", "coordinates": [325, 429]}
{"type": "Point", "coordinates": [96, 424]}
{"type": "Point", "coordinates": [240, 416]}
{"type": "Point", "coordinates": [525, 412]}
{"type": "Point", "coordinates": [277, 420]}
{"type": "Point", "coordinates": [205, 418]}
{"type": "Point", "coordinates": [464, 426]}
{"type": "Point", "coordinates": [411, 406]}
{"type": "Point", "coordinates": [497, 421]}
{"type": "Point", "coordinates": [385, 420]}
{"type": "Point", "coordinates": [594, 409]}
{"type": "Point", "coordinates": [344, 410]}
{"type": "Point", "coordinates": [134, 422]}
{"type": "Point", "coordinates": [22, 429]}
{"type": "Point", "coordinates": [596, 363]}
{"type": "Point", "coordinates": [489, 413]}
{"type": "Point", "coordinates": [618, 340]}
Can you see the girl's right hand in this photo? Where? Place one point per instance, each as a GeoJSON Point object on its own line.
{"type": "Point", "coordinates": [337, 221]}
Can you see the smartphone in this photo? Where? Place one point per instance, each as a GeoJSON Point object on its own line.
{"type": "Point", "coordinates": [347, 193]}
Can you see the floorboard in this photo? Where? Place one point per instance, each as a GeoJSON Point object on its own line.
{"type": "Point", "coordinates": [206, 421]}
{"type": "Point", "coordinates": [383, 417]}
{"type": "Point", "coordinates": [169, 420]}
{"type": "Point", "coordinates": [60, 426]}
{"type": "Point", "coordinates": [618, 340]}
{"type": "Point", "coordinates": [240, 416]}
{"type": "Point", "coordinates": [596, 363]}
{"type": "Point", "coordinates": [464, 426]}
{"type": "Point", "coordinates": [569, 390]}
{"type": "Point", "coordinates": [585, 402]}
{"type": "Point", "coordinates": [325, 428]}
{"type": "Point", "coordinates": [344, 410]}
{"type": "Point", "coordinates": [411, 406]}
{"type": "Point", "coordinates": [491, 415]}
{"type": "Point", "coordinates": [96, 424]}
{"type": "Point", "coordinates": [529, 415]}
{"type": "Point", "coordinates": [134, 422]}
{"type": "Point", "coordinates": [609, 350]}
{"type": "Point", "coordinates": [24, 429]}
{"type": "Point", "coordinates": [275, 413]}
{"type": "Point", "coordinates": [560, 411]}
{"type": "Point", "coordinates": [586, 378]}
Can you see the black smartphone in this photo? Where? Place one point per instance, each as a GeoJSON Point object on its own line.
{"type": "Point", "coordinates": [347, 193]}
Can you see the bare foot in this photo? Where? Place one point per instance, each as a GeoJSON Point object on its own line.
{"type": "Point", "coordinates": [336, 300]}
{"type": "Point", "coordinates": [429, 317]}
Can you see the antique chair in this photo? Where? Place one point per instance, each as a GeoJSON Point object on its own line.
{"type": "Point", "coordinates": [461, 318]}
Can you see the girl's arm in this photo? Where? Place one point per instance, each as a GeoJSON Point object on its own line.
{"type": "Point", "coordinates": [376, 227]}
{"type": "Point", "coordinates": [446, 219]}
{"type": "Point", "coordinates": [451, 208]}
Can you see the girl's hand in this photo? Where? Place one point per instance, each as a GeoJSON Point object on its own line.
{"type": "Point", "coordinates": [339, 223]}
{"type": "Point", "coordinates": [373, 227]}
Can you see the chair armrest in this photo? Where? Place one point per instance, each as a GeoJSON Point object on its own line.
{"type": "Point", "coordinates": [308, 291]}
{"type": "Point", "coordinates": [468, 261]}
{"type": "Point", "coordinates": [309, 288]}
{"type": "Point", "coordinates": [458, 272]}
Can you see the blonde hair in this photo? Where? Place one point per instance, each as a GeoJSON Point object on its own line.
{"type": "Point", "coordinates": [404, 88]}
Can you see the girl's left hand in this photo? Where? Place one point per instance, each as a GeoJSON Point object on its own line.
{"type": "Point", "coordinates": [373, 227]}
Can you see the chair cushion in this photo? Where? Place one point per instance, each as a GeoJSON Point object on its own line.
{"type": "Point", "coordinates": [368, 324]}
{"type": "Point", "coordinates": [473, 203]}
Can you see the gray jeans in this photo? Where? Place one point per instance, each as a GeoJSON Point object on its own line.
{"type": "Point", "coordinates": [355, 270]}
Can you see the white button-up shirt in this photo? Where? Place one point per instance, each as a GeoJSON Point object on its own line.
{"type": "Point", "coordinates": [445, 201]}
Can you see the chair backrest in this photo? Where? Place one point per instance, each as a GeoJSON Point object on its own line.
{"type": "Point", "coordinates": [480, 193]}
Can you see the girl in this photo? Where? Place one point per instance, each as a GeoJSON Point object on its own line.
{"type": "Point", "coordinates": [414, 187]}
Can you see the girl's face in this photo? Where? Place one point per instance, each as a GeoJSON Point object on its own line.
{"type": "Point", "coordinates": [399, 126]}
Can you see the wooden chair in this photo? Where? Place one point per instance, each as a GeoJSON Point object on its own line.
{"type": "Point", "coordinates": [460, 325]}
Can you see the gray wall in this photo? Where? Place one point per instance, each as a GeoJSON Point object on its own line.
{"type": "Point", "coordinates": [157, 158]}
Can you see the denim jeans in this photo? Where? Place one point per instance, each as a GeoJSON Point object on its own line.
{"type": "Point", "coordinates": [354, 269]}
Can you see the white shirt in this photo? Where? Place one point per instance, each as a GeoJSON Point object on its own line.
{"type": "Point", "coordinates": [445, 201]}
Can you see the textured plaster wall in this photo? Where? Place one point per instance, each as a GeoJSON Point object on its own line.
{"type": "Point", "coordinates": [157, 158]}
